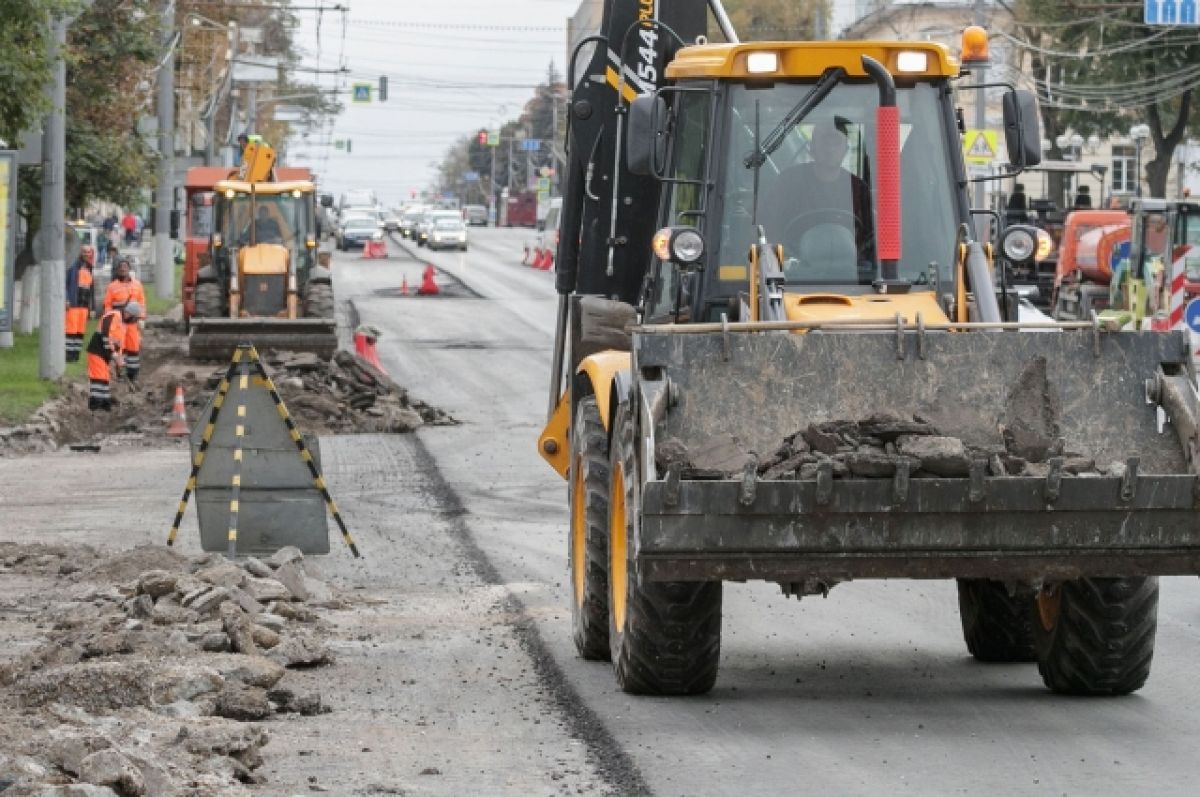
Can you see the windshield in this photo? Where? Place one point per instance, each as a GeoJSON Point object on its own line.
{"type": "Point", "coordinates": [448, 224]}
{"type": "Point", "coordinates": [269, 218]}
{"type": "Point", "coordinates": [815, 193]}
{"type": "Point", "coordinates": [361, 224]}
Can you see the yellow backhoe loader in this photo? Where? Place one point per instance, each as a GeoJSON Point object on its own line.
{"type": "Point", "coordinates": [263, 283]}
{"type": "Point", "coordinates": [781, 356]}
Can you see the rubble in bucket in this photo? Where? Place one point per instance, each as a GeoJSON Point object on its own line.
{"type": "Point", "coordinates": [873, 449]}
{"type": "Point", "coordinates": [151, 672]}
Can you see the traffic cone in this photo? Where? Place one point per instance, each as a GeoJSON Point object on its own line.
{"type": "Point", "coordinates": [404, 286]}
{"type": "Point", "coordinates": [428, 286]}
{"type": "Point", "coordinates": [178, 427]}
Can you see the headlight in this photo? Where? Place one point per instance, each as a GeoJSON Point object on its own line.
{"type": "Point", "coordinates": [687, 246]}
{"type": "Point", "coordinates": [1019, 246]}
{"type": "Point", "coordinates": [1020, 243]}
{"type": "Point", "coordinates": [682, 245]}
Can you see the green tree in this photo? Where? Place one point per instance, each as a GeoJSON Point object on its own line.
{"type": "Point", "coordinates": [1102, 71]}
{"type": "Point", "coordinates": [24, 70]}
{"type": "Point", "coordinates": [779, 20]}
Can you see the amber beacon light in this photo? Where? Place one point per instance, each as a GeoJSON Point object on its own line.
{"type": "Point", "coordinates": [974, 46]}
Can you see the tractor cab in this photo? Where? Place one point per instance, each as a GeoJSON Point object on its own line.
{"type": "Point", "coordinates": [264, 244]}
{"type": "Point", "coordinates": [801, 153]}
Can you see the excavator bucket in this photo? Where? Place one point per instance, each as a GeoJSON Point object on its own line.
{"type": "Point", "coordinates": [835, 455]}
{"type": "Point", "coordinates": [216, 338]}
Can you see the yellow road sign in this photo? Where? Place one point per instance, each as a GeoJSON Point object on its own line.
{"type": "Point", "coordinates": [980, 147]}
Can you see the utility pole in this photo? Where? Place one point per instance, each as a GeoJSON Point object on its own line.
{"type": "Point", "coordinates": [52, 340]}
{"type": "Point", "coordinates": [164, 196]}
{"type": "Point", "coordinates": [980, 113]}
{"type": "Point", "coordinates": [510, 161]}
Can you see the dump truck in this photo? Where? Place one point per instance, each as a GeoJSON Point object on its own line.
{"type": "Point", "coordinates": [780, 356]}
{"type": "Point", "coordinates": [263, 282]}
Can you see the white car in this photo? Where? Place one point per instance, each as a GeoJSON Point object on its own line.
{"type": "Point", "coordinates": [448, 233]}
{"type": "Point", "coordinates": [429, 219]}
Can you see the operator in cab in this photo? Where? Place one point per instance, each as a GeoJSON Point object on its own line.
{"type": "Point", "coordinates": [824, 211]}
{"type": "Point", "coordinates": [266, 229]}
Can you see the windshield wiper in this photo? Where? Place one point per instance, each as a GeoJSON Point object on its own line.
{"type": "Point", "coordinates": [820, 90]}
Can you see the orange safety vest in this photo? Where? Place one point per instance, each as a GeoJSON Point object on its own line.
{"type": "Point", "coordinates": [109, 337]}
{"type": "Point", "coordinates": [120, 293]}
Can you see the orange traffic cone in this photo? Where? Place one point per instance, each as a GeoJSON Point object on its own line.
{"type": "Point", "coordinates": [178, 427]}
{"type": "Point", "coordinates": [404, 286]}
{"type": "Point", "coordinates": [428, 286]}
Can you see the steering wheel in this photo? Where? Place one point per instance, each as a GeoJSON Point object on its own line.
{"type": "Point", "coordinates": [806, 221]}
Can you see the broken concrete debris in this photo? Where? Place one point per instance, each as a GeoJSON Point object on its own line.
{"type": "Point", "coordinates": [874, 448]}
{"type": "Point", "coordinates": [151, 681]}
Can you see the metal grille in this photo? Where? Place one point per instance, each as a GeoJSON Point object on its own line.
{"type": "Point", "coordinates": [264, 295]}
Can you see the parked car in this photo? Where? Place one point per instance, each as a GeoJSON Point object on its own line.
{"type": "Point", "coordinates": [448, 233]}
{"type": "Point", "coordinates": [355, 233]}
{"type": "Point", "coordinates": [425, 225]}
{"type": "Point", "coordinates": [475, 215]}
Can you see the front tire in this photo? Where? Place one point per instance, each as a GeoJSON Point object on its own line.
{"type": "Point", "coordinates": [997, 626]}
{"type": "Point", "coordinates": [588, 544]}
{"type": "Point", "coordinates": [1095, 636]}
{"type": "Point", "coordinates": [209, 302]}
{"type": "Point", "coordinates": [664, 637]}
{"type": "Point", "coordinates": [318, 300]}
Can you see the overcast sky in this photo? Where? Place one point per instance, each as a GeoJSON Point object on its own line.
{"type": "Point", "coordinates": [453, 66]}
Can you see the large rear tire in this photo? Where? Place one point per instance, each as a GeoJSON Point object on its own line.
{"type": "Point", "coordinates": [318, 300]}
{"type": "Point", "coordinates": [1095, 636]}
{"type": "Point", "coordinates": [588, 545]}
{"type": "Point", "coordinates": [664, 637]}
{"type": "Point", "coordinates": [209, 302]}
{"type": "Point", "coordinates": [997, 626]}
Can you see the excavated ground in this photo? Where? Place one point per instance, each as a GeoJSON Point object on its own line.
{"type": "Point", "coordinates": [344, 396]}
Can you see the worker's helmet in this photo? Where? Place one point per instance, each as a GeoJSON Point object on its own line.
{"type": "Point", "coordinates": [88, 252]}
{"type": "Point", "coordinates": [132, 310]}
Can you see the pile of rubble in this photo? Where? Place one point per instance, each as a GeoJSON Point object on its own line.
{"type": "Point", "coordinates": [344, 396]}
{"type": "Point", "coordinates": [155, 680]}
{"type": "Point", "coordinates": [876, 447]}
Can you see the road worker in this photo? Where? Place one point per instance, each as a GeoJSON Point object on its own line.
{"type": "Point", "coordinates": [104, 351]}
{"type": "Point", "coordinates": [123, 289]}
{"type": "Point", "coordinates": [79, 300]}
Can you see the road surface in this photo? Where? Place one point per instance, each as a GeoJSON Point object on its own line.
{"type": "Point", "coordinates": [866, 691]}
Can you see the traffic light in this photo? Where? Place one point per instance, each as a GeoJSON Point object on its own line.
{"type": "Point", "coordinates": [383, 88]}
{"type": "Point", "coordinates": [482, 138]}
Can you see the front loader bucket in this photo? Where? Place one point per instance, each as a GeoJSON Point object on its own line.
{"type": "Point", "coordinates": [1064, 471]}
{"type": "Point", "coordinates": [216, 338]}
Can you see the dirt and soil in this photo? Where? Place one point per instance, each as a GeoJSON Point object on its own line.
{"type": "Point", "coordinates": [148, 673]}
{"type": "Point", "coordinates": [343, 396]}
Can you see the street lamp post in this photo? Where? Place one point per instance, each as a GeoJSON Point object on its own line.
{"type": "Point", "coordinates": [1140, 135]}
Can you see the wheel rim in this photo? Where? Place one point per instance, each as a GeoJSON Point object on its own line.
{"type": "Point", "coordinates": [617, 574]}
{"type": "Point", "coordinates": [578, 530]}
{"type": "Point", "coordinates": [1049, 603]}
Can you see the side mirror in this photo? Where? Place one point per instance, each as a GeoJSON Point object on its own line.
{"type": "Point", "coordinates": [645, 139]}
{"type": "Point", "coordinates": [174, 225]}
{"type": "Point", "coordinates": [216, 241]}
{"type": "Point", "coordinates": [1022, 129]}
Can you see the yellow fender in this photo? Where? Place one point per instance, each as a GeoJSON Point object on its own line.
{"type": "Point", "coordinates": [601, 370]}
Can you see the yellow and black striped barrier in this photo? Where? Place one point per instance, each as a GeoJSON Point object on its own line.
{"type": "Point", "coordinates": [198, 460]}
{"type": "Point", "coordinates": [245, 359]}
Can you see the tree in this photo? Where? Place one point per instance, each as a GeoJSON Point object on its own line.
{"type": "Point", "coordinates": [779, 20]}
{"type": "Point", "coordinates": [24, 70]}
{"type": "Point", "coordinates": [1098, 69]}
{"type": "Point", "coordinates": [112, 47]}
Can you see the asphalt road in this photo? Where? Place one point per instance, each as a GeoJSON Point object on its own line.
{"type": "Point", "coordinates": [870, 690]}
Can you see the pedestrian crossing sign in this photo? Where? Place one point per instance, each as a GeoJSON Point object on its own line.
{"type": "Point", "coordinates": [980, 146]}
{"type": "Point", "coordinates": [362, 92]}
